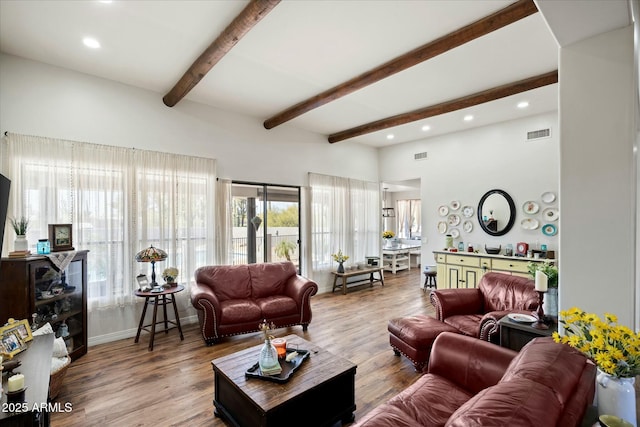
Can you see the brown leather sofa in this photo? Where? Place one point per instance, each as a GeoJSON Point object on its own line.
{"type": "Point", "coordinates": [234, 299]}
{"type": "Point", "coordinates": [470, 382]}
{"type": "Point", "coordinates": [476, 312]}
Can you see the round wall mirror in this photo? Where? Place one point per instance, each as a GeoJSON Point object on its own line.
{"type": "Point", "coordinates": [496, 212]}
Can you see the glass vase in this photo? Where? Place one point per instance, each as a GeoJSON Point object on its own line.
{"type": "Point", "coordinates": [616, 396]}
{"type": "Point", "coordinates": [340, 268]}
{"type": "Point", "coordinates": [268, 361]}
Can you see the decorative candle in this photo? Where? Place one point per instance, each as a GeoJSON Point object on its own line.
{"type": "Point", "coordinates": [541, 281]}
{"type": "Point", "coordinates": [15, 383]}
{"type": "Point", "coordinates": [281, 346]}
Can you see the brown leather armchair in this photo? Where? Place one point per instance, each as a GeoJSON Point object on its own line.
{"type": "Point", "coordinates": [476, 312]}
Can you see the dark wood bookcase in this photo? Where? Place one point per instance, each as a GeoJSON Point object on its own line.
{"type": "Point", "coordinates": [34, 285]}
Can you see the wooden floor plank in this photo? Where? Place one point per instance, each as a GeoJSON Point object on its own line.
{"type": "Point", "coordinates": [121, 383]}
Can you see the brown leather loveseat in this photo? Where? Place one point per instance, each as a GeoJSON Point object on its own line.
{"type": "Point", "coordinates": [234, 299]}
{"type": "Point", "coordinates": [470, 382]}
{"type": "Point", "coordinates": [476, 312]}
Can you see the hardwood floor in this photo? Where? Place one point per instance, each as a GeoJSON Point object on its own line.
{"type": "Point", "coordinates": [121, 383]}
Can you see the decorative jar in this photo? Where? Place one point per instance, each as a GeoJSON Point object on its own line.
{"type": "Point", "coordinates": [616, 396]}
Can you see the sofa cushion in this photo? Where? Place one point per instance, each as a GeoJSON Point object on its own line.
{"type": "Point", "coordinates": [239, 311]}
{"type": "Point", "coordinates": [544, 361]}
{"type": "Point", "coordinates": [269, 279]}
{"type": "Point", "coordinates": [276, 306]}
{"type": "Point", "coordinates": [226, 281]}
{"type": "Point", "coordinates": [468, 324]}
{"type": "Point", "coordinates": [387, 416]}
{"type": "Point", "coordinates": [521, 402]}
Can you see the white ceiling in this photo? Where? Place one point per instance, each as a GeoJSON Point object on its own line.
{"type": "Point", "coordinates": [302, 48]}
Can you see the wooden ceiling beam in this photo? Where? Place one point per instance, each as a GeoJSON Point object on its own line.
{"type": "Point", "coordinates": [449, 106]}
{"type": "Point", "coordinates": [508, 15]}
{"type": "Point", "coordinates": [245, 21]}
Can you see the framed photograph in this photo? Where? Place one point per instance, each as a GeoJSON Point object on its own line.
{"type": "Point", "coordinates": [61, 237]}
{"type": "Point", "coordinates": [12, 344]}
{"type": "Point", "coordinates": [143, 282]}
{"type": "Point", "coordinates": [21, 327]}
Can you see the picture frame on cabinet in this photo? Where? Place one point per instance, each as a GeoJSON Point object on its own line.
{"type": "Point", "coordinates": [12, 344]}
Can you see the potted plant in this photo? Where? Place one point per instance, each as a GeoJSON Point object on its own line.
{"type": "Point", "coordinates": [20, 227]}
{"type": "Point", "coordinates": [550, 304]}
{"type": "Point", "coordinates": [285, 248]}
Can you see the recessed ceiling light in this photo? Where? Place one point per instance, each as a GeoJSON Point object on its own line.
{"type": "Point", "coordinates": [390, 136]}
{"type": "Point", "coordinates": [91, 42]}
{"type": "Point", "coordinates": [523, 104]}
{"type": "Point", "coordinates": [426, 128]}
{"type": "Point", "coordinates": [468, 118]}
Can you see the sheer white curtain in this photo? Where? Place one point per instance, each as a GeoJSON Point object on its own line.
{"type": "Point", "coordinates": [409, 218]}
{"type": "Point", "coordinates": [119, 201]}
{"type": "Point", "coordinates": [224, 228]}
{"type": "Point", "coordinates": [345, 214]}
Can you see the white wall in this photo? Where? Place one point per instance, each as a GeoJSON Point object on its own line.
{"type": "Point", "coordinates": [465, 165]}
{"type": "Point", "coordinates": [39, 99]}
{"type": "Point", "coordinates": [598, 185]}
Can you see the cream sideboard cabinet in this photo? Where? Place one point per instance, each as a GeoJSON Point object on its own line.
{"type": "Point", "coordinates": [464, 269]}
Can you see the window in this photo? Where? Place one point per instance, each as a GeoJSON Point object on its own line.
{"type": "Point", "coordinates": [119, 201]}
{"type": "Point", "coordinates": [409, 218]}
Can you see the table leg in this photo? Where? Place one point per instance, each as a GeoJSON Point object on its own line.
{"type": "Point", "coordinates": [371, 280]}
{"type": "Point", "coordinates": [164, 310]}
{"type": "Point", "coordinates": [153, 325]}
{"type": "Point", "coordinates": [335, 279]}
{"type": "Point", "coordinates": [381, 273]}
{"type": "Point", "coordinates": [144, 312]}
{"type": "Point", "coordinates": [344, 285]}
{"type": "Point", "coordinates": [175, 311]}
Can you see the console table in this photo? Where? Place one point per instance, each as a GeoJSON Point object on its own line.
{"type": "Point", "coordinates": [352, 273]}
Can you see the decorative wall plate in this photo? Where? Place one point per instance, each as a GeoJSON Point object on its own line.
{"type": "Point", "coordinates": [455, 205]}
{"type": "Point", "coordinates": [530, 207]}
{"type": "Point", "coordinates": [467, 226]}
{"type": "Point", "coordinates": [548, 197]}
{"type": "Point", "coordinates": [442, 227]}
{"type": "Point", "coordinates": [454, 233]}
{"type": "Point", "coordinates": [443, 210]}
{"type": "Point", "coordinates": [467, 211]}
{"type": "Point", "coordinates": [550, 214]}
{"type": "Point", "coordinates": [453, 219]}
{"type": "Point", "coordinates": [549, 230]}
{"type": "Point", "coordinates": [529, 223]}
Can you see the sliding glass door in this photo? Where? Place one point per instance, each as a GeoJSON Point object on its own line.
{"type": "Point", "coordinates": [266, 223]}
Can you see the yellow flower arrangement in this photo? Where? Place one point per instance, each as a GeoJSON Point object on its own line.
{"type": "Point", "coordinates": [340, 257]}
{"type": "Point", "coordinates": [614, 348]}
{"type": "Point", "coordinates": [388, 234]}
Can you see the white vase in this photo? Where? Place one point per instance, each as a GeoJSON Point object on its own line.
{"type": "Point", "coordinates": [616, 396]}
{"type": "Point", "coordinates": [21, 243]}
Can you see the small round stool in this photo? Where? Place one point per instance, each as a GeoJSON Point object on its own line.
{"type": "Point", "coordinates": [430, 274]}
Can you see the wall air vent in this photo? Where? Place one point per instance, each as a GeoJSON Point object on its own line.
{"type": "Point", "coordinates": [420, 156]}
{"type": "Point", "coordinates": [538, 134]}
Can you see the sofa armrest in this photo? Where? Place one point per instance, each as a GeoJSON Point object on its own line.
{"type": "Point", "coordinates": [452, 302]}
{"type": "Point", "coordinates": [489, 324]}
{"type": "Point", "coordinates": [299, 288]}
{"type": "Point", "coordinates": [203, 298]}
{"type": "Point", "coordinates": [468, 362]}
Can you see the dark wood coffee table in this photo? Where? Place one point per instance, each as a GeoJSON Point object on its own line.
{"type": "Point", "coordinates": [320, 393]}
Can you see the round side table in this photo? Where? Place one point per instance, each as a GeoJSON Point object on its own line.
{"type": "Point", "coordinates": [167, 296]}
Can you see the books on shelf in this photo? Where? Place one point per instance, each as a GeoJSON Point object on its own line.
{"type": "Point", "coordinates": [19, 254]}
